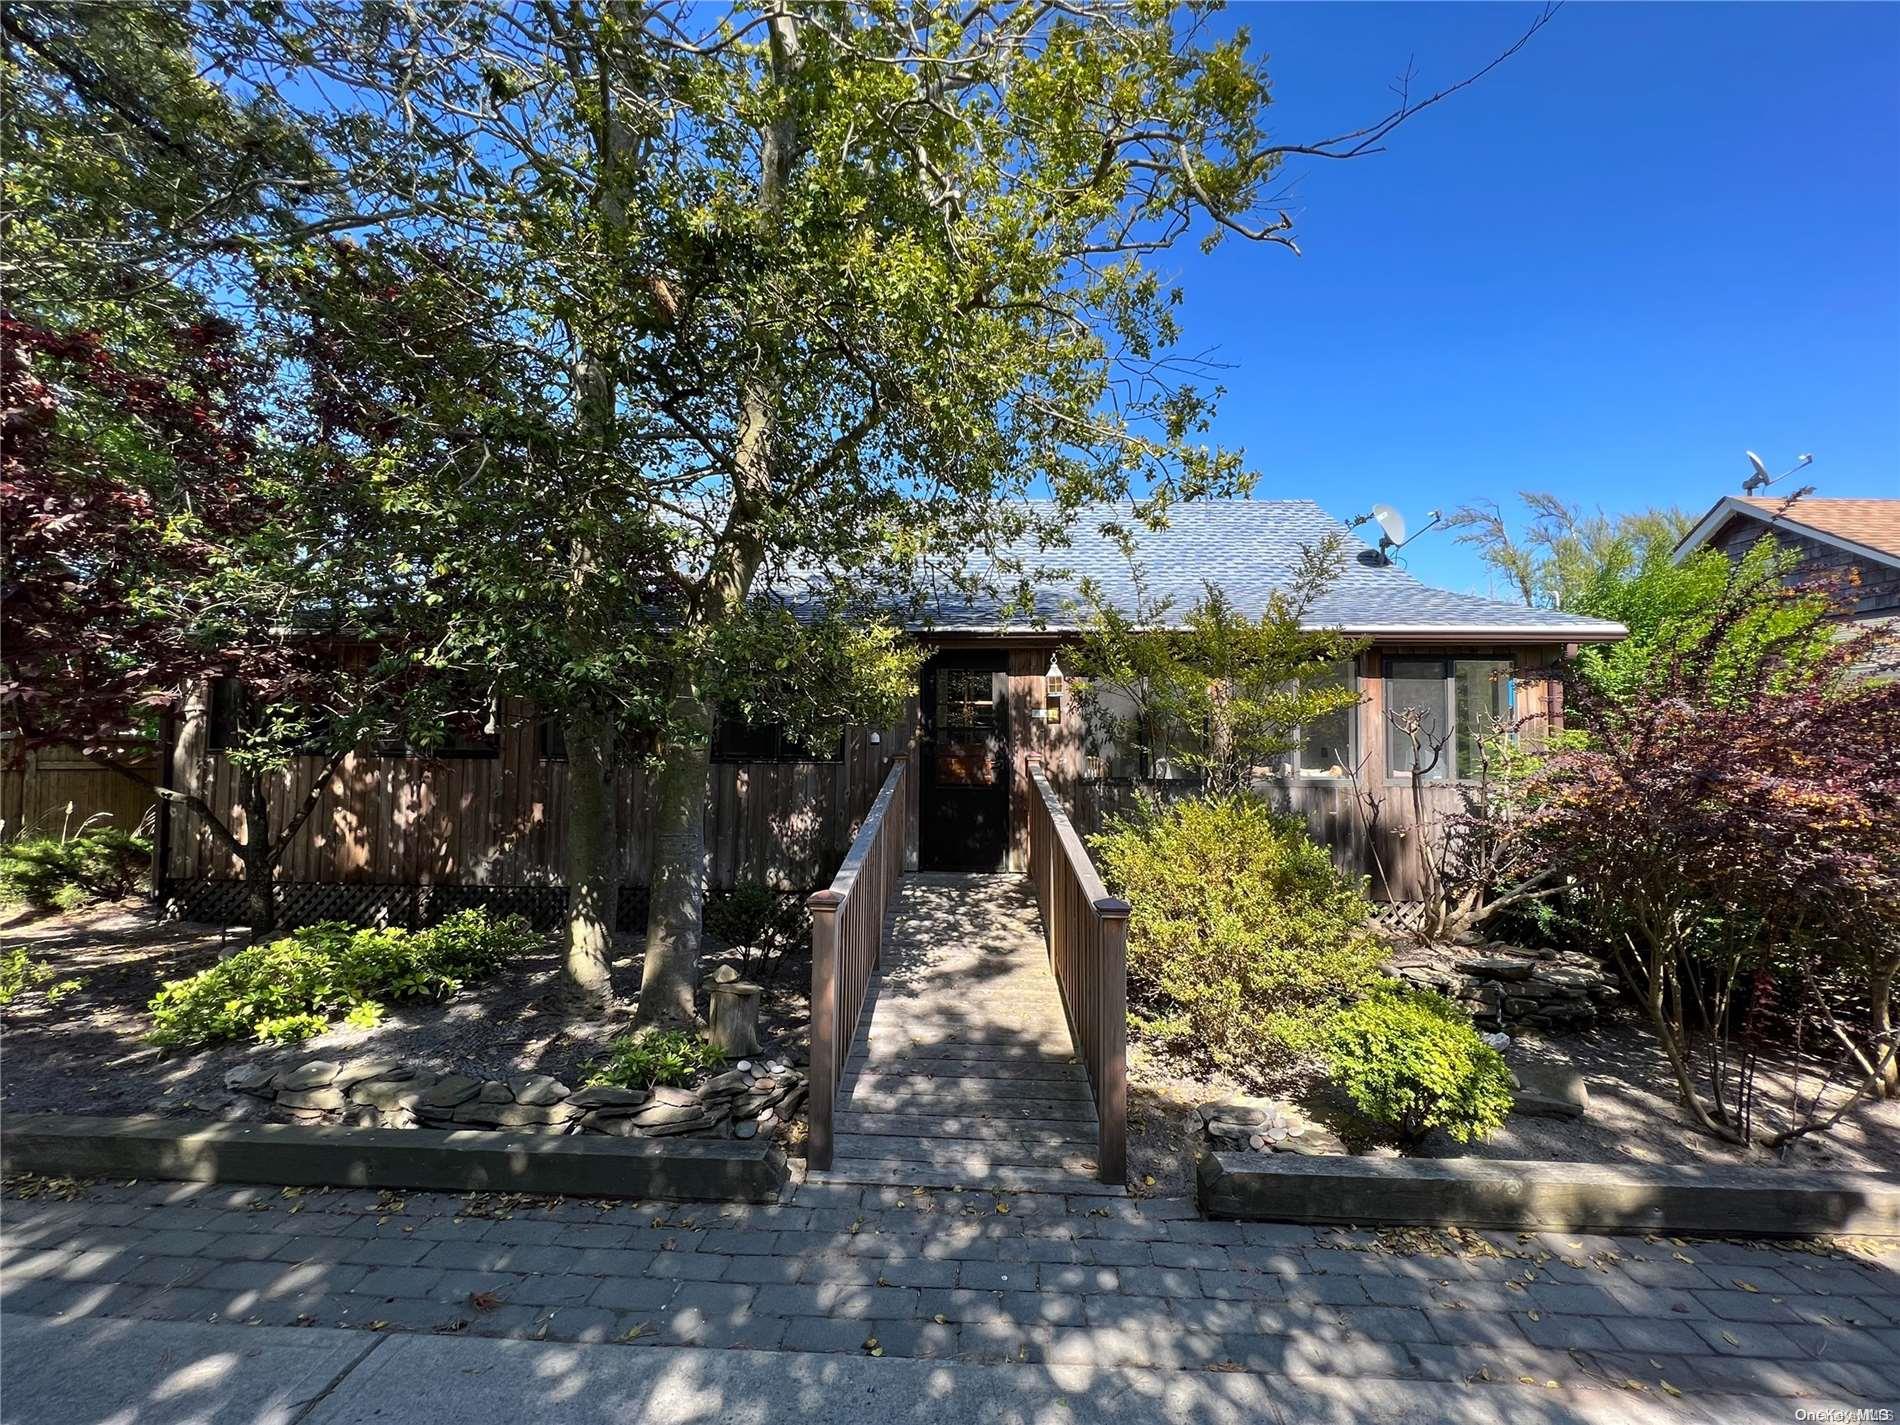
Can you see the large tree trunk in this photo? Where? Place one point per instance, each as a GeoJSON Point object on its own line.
{"type": "Point", "coordinates": [592, 869]}
{"type": "Point", "coordinates": [260, 866]}
{"type": "Point", "coordinates": [671, 970]}
{"type": "Point", "coordinates": [679, 830]}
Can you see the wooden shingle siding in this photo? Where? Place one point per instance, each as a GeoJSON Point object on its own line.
{"type": "Point", "coordinates": [1873, 585]}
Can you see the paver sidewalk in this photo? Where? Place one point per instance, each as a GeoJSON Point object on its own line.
{"type": "Point", "coordinates": [977, 1278]}
{"type": "Point", "coordinates": [86, 1371]}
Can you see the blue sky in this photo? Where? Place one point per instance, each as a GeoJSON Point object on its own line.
{"type": "Point", "coordinates": [1659, 236]}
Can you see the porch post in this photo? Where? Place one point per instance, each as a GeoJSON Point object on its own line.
{"type": "Point", "coordinates": [825, 1049]}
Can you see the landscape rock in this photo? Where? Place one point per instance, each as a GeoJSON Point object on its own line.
{"type": "Point", "coordinates": [514, 1115]}
{"type": "Point", "coordinates": [607, 1096]}
{"type": "Point", "coordinates": [317, 1074]}
{"type": "Point", "coordinates": [390, 1093]}
{"type": "Point", "coordinates": [326, 1100]}
{"type": "Point", "coordinates": [1547, 1090]}
{"type": "Point", "coordinates": [538, 1090]}
{"type": "Point", "coordinates": [658, 1114]}
{"type": "Point", "coordinates": [673, 1130]}
{"type": "Point", "coordinates": [371, 1069]}
{"type": "Point", "coordinates": [450, 1091]}
{"type": "Point", "coordinates": [1510, 988]}
{"type": "Point", "coordinates": [495, 1091]}
{"type": "Point", "coordinates": [674, 1098]}
{"type": "Point", "coordinates": [250, 1078]}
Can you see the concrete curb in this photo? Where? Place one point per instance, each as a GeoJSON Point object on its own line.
{"type": "Point", "coordinates": [1580, 1197]}
{"type": "Point", "coordinates": [418, 1158]}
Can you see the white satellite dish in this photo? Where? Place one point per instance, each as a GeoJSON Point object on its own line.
{"type": "Point", "coordinates": [1393, 523]}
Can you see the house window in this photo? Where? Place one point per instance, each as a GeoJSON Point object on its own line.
{"type": "Point", "coordinates": [1456, 702]}
{"type": "Point", "coordinates": [1326, 744]}
{"type": "Point", "coordinates": [222, 716]}
{"type": "Point", "coordinates": [1119, 747]}
{"type": "Point", "coordinates": [736, 740]}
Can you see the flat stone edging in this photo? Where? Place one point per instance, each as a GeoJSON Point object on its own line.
{"type": "Point", "coordinates": [1478, 1192]}
{"type": "Point", "coordinates": [323, 1155]}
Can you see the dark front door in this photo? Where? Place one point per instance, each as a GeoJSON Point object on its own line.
{"type": "Point", "coordinates": [963, 802]}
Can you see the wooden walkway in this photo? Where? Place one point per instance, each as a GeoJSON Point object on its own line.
{"type": "Point", "coordinates": [962, 1073]}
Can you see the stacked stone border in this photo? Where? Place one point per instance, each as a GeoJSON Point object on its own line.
{"type": "Point", "coordinates": [1578, 1197]}
{"type": "Point", "coordinates": [753, 1096]}
{"type": "Point", "coordinates": [321, 1155]}
{"type": "Point", "coordinates": [1509, 987]}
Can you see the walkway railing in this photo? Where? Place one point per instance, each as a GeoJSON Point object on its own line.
{"type": "Point", "coordinates": [847, 932]}
{"type": "Point", "coordinates": [1087, 932]}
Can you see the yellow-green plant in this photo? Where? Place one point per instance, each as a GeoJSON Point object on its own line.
{"type": "Point", "coordinates": [1410, 1059]}
{"type": "Point", "coordinates": [654, 1056]}
{"type": "Point", "coordinates": [294, 987]}
{"type": "Point", "coordinates": [1244, 936]}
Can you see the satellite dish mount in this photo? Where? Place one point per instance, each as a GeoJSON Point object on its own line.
{"type": "Point", "coordinates": [1392, 535]}
{"type": "Point", "coordinates": [1760, 479]}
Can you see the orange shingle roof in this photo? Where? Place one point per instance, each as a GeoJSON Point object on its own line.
{"type": "Point", "coordinates": [1874, 523]}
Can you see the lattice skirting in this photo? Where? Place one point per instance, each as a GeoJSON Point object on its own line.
{"type": "Point", "coordinates": [413, 907]}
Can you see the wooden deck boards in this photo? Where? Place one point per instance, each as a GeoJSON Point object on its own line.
{"type": "Point", "coordinates": [962, 1073]}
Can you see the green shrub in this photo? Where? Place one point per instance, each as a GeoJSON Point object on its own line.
{"type": "Point", "coordinates": [294, 987]}
{"type": "Point", "coordinates": [19, 972]}
{"type": "Point", "coordinates": [1244, 935]}
{"type": "Point", "coordinates": [654, 1056]}
{"type": "Point", "coordinates": [54, 873]}
{"type": "Point", "coordinates": [1411, 1060]}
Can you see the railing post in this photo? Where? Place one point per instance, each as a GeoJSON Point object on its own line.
{"type": "Point", "coordinates": [825, 1049]}
{"type": "Point", "coordinates": [1111, 1108]}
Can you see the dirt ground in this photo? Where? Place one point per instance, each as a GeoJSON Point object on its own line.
{"type": "Point", "coordinates": [1633, 1116]}
{"type": "Point", "coordinates": [87, 1054]}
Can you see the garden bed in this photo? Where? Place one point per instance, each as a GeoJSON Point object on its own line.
{"type": "Point", "coordinates": [87, 1053]}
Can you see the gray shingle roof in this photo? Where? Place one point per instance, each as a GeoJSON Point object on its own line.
{"type": "Point", "coordinates": [1248, 548]}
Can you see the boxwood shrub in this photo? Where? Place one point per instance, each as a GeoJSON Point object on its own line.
{"type": "Point", "coordinates": [1409, 1059]}
{"type": "Point", "coordinates": [1244, 936]}
{"type": "Point", "coordinates": [295, 987]}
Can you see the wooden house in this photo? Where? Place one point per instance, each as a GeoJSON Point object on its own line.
{"type": "Point", "coordinates": [1854, 544]}
{"type": "Point", "coordinates": [406, 837]}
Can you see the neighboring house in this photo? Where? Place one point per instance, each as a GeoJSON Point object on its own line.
{"type": "Point", "coordinates": [1855, 542]}
{"type": "Point", "coordinates": [483, 821]}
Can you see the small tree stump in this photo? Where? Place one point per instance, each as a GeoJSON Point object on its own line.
{"type": "Point", "coordinates": [734, 1016]}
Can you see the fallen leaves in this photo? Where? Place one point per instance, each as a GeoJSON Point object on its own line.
{"type": "Point", "coordinates": [484, 1300]}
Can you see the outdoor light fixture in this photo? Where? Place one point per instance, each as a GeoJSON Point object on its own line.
{"type": "Point", "coordinates": [1052, 693]}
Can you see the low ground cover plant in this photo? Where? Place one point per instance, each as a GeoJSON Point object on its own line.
{"type": "Point", "coordinates": [1244, 938]}
{"type": "Point", "coordinates": [65, 873]}
{"type": "Point", "coordinates": [20, 972]}
{"type": "Point", "coordinates": [648, 1057]}
{"type": "Point", "coordinates": [1410, 1059]}
{"type": "Point", "coordinates": [296, 986]}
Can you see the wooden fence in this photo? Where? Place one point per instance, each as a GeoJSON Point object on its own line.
{"type": "Point", "coordinates": [1087, 934]}
{"type": "Point", "coordinates": [501, 820]}
{"type": "Point", "coordinates": [847, 936]}
{"type": "Point", "coordinates": [54, 791]}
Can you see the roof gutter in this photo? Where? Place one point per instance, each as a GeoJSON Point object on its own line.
{"type": "Point", "coordinates": [1596, 631]}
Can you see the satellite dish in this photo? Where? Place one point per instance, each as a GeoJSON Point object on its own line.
{"type": "Point", "coordinates": [1761, 478]}
{"type": "Point", "coordinates": [1392, 522]}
